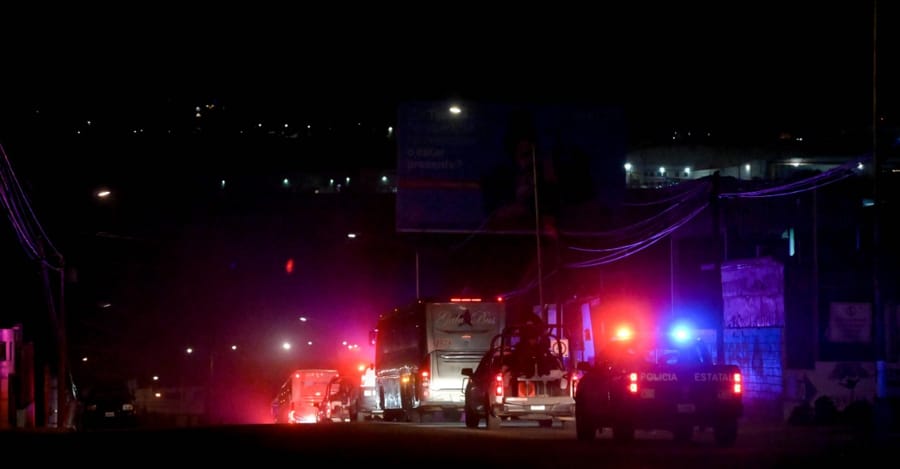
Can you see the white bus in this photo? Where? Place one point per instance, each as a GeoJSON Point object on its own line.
{"type": "Point", "coordinates": [298, 396]}
{"type": "Point", "coordinates": [420, 351]}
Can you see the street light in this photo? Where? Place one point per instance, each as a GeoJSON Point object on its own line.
{"type": "Point", "coordinates": [210, 354]}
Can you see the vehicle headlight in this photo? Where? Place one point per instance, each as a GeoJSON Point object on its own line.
{"type": "Point", "coordinates": [127, 406]}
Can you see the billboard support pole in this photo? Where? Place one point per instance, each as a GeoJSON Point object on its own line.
{"type": "Point", "coordinates": [720, 256]}
{"type": "Point", "coordinates": [537, 233]}
{"type": "Point", "coordinates": [418, 296]}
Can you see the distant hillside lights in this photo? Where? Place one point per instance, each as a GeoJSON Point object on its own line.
{"type": "Point", "coordinates": [659, 177]}
{"type": "Point", "coordinates": [651, 176]}
{"type": "Point", "coordinates": [377, 182]}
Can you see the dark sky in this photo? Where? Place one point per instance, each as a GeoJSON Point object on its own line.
{"type": "Point", "coordinates": [749, 70]}
{"type": "Point", "coordinates": [702, 61]}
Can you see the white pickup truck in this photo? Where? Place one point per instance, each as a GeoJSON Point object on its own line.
{"type": "Point", "coordinates": [521, 377]}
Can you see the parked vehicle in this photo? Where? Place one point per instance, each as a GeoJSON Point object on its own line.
{"type": "Point", "coordinates": [108, 405]}
{"type": "Point", "coordinates": [522, 376]}
{"type": "Point", "coordinates": [420, 351]}
{"type": "Point", "coordinates": [340, 402]}
{"type": "Point", "coordinates": [297, 398]}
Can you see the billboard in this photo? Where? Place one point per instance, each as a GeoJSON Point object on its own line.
{"type": "Point", "coordinates": [472, 167]}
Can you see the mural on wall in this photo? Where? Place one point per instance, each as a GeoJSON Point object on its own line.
{"type": "Point", "coordinates": [842, 382]}
{"type": "Point", "coordinates": [850, 322]}
{"type": "Point", "coordinates": [753, 293]}
{"type": "Point", "coordinates": [848, 375]}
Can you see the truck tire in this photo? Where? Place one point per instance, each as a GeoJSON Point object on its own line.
{"type": "Point", "coordinates": [585, 426]}
{"type": "Point", "coordinates": [492, 421]}
{"type": "Point", "coordinates": [683, 433]}
{"type": "Point", "coordinates": [585, 429]}
{"type": "Point", "coordinates": [623, 432]}
{"type": "Point", "coordinates": [725, 432]}
{"type": "Point", "coordinates": [472, 418]}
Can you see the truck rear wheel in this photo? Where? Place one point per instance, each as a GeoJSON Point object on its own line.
{"type": "Point", "coordinates": [725, 433]}
{"type": "Point", "coordinates": [472, 418]}
{"type": "Point", "coordinates": [623, 432]}
{"type": "Point", "coordinates": [493, 421]}
{"type": "Point", "coordinates": [683, 433]}
{"type": "Point", "coordinates": [585, 430]}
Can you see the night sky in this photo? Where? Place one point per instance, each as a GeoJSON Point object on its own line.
{"type": "Point", "coordinates": [90, 100]}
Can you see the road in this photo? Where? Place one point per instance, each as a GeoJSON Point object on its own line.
{"type": "Point", "coordinates": [519, 444]}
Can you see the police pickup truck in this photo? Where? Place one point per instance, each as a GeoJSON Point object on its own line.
{"type": "Point", "coordinates": [659, 383]}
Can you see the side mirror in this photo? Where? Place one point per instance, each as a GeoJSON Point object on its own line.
{"type": "Point", "coordinates": [467, 372]}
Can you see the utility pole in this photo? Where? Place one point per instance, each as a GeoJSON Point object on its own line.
{"type": "Point", "coordinates": [883, 412]}
{"type": "Point", "coordinates": [418, 296]}
{"type": "Point", "coordinates": [62, 388]}
{"type": "Point", "coordinates": [815, 277]}
{"type": "Point", "coordinates": [877, 306]}
{"type": "Point", "coordinates": [672, 275]}
{"type": "Point", "coordinates": [56, 315]}
{"type": "Point", "coordinates": [537, 233]}
{"type": "Point", "coordinates": [719, 256]}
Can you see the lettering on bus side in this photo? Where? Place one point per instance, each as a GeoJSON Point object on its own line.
{"type": "Point", "coordinates": [464, 318]}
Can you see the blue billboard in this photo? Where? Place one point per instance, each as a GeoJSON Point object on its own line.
{"type": "Point", "coordinates": [468, 167]}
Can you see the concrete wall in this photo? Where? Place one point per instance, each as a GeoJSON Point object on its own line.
{"type": "Point", "coordinates": [760, 354]}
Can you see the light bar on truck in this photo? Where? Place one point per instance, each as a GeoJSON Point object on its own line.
{"type": "Point", "coordinates": [624, 333]}
{"type": "Point", "coordinates": [681, 333]}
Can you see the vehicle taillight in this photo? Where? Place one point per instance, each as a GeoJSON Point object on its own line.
{"type": "Point", "coordinates": [737, 387]}
{"type": "Point", "coordinates": [574, 384]}
{"type": "Point", "coordinates": [425, 384]}
{"type": "Point", "coordinates": [632, 383]}
{"type": "Point", "coordinates": [498, 385]}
